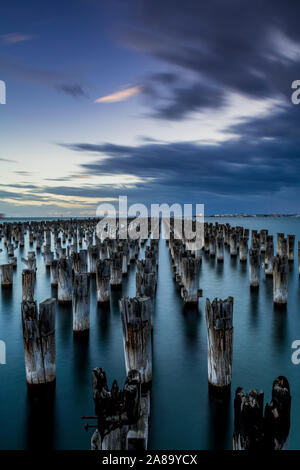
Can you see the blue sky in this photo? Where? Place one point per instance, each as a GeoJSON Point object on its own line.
{"type": "Point", "coordinates": [161, 101]}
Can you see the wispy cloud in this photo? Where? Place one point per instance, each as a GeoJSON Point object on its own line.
{"type": "Point", "coordinates": [7, 160]}
{"type": "Point", "coordinates": [14, 38]}
{"type": "Point", "coordinates": [120, 95]}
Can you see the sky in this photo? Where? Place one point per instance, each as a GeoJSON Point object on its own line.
{"type": "Point", "coordinates": [160, 101]}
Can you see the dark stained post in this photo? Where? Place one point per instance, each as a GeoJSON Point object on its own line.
{"type": "Point", "coordinates": [28, 281]}
{"type": "Point", "coordinates": [122, 415]}
{"type": "Point", "coordinates": [219, 315]}
{"type": "Point", "coordinates": [291, 247]}
{"type": "Point", "coordinates": [255, 429]}
{"type": "Point", "coordinates": [254, 268]}
{"type": "Point", "coordinates": [280, 280]}
{"type": "Point", "coordinates": [81, 303]}
{"type": "Point", "coordinates": [248, 420]}
{"type": "Point", "coordinates": [277, 416]}
{"type": "Point", "coordinates": [136, 314]}
{"type": "Point", "coordinates": [220, 248]}
{"type": "Point", "coordinates": [6, 275]}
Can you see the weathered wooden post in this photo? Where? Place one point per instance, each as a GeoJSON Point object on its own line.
{"type": "Point", "coordinates": [281, 245]}
{"type": "Point", "coordinates": [39, 341]}
{"type": "Point", "coordinates": [81, 303]}
{"type": "Point", "coordinates": [233, 244]}
{"type": "Point", "coordinates": [28, 280]}
{"type": "Point", "coordinates": [280, 280]}
{"type": "Point", "coordinates": [243, 249]}
{"type": "Point", "coordinates": [136, 314]}
{"type": "Point", "coordinates": [80, 262]}
{"type": "Point", "coordinates": [48, 258]}
{"type": "Point", "coordinates": [254, 267]}
{"type": "Point", "coordinates": [116, 269]}
{"type": "Point", "coordinates": [6, 275]}
{"type": "Point", "coordinates": [220, 248]}
{"type": "Point", "coordinates": [219, 315]}
{"type": "Point", "coordinates": [268, 264]}
{"type": "Point", "coordinates": [290, 247]}
{"type": "Point", "coordinates": [262, 240]}
{"type": "Point", "coordinates": [146, 281]}
{"type": "Point", "coordinates": [64, 291]}
{"type": "Point", "coordinates": [190, 292]}
{"type": "Point", "coordinates": [103, 280]}
{"type": "Point", "coordinates": [93, 255]}
{"type": "Point", "coordinates": [212, 245]}
{"type": "Point", "coordinates": [54, 273]}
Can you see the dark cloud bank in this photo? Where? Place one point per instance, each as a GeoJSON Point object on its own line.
{"type": "Point", "coordinates": [207, 50]}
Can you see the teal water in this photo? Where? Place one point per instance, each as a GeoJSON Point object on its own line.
{"type": "Point", "coordinates": [182, 414]}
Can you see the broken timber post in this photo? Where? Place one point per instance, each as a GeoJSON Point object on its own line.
{"type": "Point", "coordinates": [136, 315]}
{"type": "Point", "coordinates": [268, 264]}
{"type": "Point", "coordinates": [280, 280]}
{"type": "Point", "coordinates": [6, 275]}
{"type": "Point", "coordinates": [116, 263]}
{"type": "Point", "coordinates": [255, 429]}
{"type": "Point", "coordinates": [243, 249]}
{"type": "Point", "coordinates": [54, 273]}
{"type": "Point", "coordinates": [233, 244]}
{"type": "Point", "coordinates": [290, 247]}
{"type": "Point", "coordinates": [254, 267]}
{"type": "Point", "coordinates": [64, 291]}
{"type": "Point", "coordinates": [248, 420]}
{"type": "Point", "coordinates": [190, 291]}
{"type": "Point", "coordinates": [39, 341]}
{"type": "Point", "coordinates": [220, 248]}
{"type": "Point", "coordinates": [28, 280]}
{"type": "Point", "coordinates": [81, 303]}
{"type": "Point", "coordinates": [277, 416]}
{"type": "Point", "coordinates": [103, 280]}
{"type": "Point", "coordinates": [122, 415]}
{"type": "Point", "coordinates": [219, 315]}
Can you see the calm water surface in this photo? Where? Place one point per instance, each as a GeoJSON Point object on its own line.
{"type": "Point", "coordinates": [182, 414]}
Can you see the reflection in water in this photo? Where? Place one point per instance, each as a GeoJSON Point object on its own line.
{"type": "Point", "coordinates": [40, 417]}
{"type": "Point", "coordinates": [64, 321]}
{"type": "Point", "coordinates": [254, 306]}
{"type": "Point", "coordinates": [219, 421]}
{"type": "Point", "coordinates": [103, 321]}
{"type": "Point", "coordinates": [279, 328]}
{"type": "Point", "coordinates": [81, 357]}
{"type": "Point", "coordinates": [190, 321]}
{"type": "Point", "coordinates": [219, 269]}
